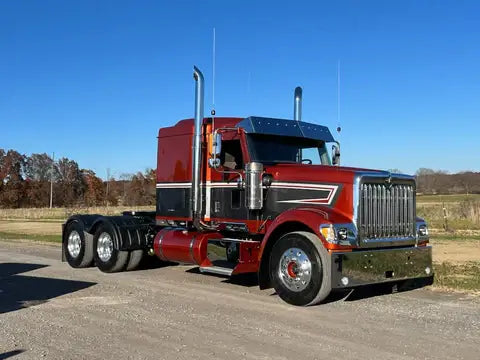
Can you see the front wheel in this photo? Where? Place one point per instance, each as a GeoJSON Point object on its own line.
{"type": "Point", "coordinates": [107, 257]}
{"type": "Point", "coordinates": [300, 269]}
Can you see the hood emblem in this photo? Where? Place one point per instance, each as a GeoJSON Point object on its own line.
{"type": "Point", "coordinates": [388, 181]}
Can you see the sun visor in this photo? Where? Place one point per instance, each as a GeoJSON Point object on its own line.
{"type": "Point", "coordinates": [284, 127]}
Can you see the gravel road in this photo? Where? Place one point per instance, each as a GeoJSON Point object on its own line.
{"type": "Point", "coordinates": [48, 310]}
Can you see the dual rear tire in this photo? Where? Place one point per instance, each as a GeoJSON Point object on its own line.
{"type": "Point", "coordinates": [82, 250]}
{"type": "Point", "coordinates": [77, 248]}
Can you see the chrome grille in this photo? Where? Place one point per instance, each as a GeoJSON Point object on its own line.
{"type": "Point", "coordinates": [386, 211]}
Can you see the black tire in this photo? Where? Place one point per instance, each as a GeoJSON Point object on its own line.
{"type": "Point", "coordinates": [81, 257]}
{"type": "Point", "coordinates": [318, 286]}
{"type": "Point", "coordinates": [134, 259]}
{"type": "Point", "coordinates": [117, 260]}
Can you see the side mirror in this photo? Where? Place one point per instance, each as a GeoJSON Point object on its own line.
{"type": "Point", "coordinates": [217, 144]}
{"type": "Point", "coordinates": [216, 150]}
{"type": "Point", "coordinates": [336, 154]}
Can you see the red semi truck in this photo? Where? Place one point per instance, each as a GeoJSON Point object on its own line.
{"type": "Point", "coordinates": [266, 196]}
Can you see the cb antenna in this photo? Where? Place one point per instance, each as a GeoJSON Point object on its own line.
{"type": "Point", "coordinates": [339, 128]}
{"type": "Point", "coordinates": [213, 79]}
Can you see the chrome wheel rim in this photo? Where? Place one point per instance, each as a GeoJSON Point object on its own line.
{"type": "Point", "coordinates": [104, 246]}
{"type": "Point", "coordinates": [74, 244]}
{"type": "Point", "coordinates": [295, 269]}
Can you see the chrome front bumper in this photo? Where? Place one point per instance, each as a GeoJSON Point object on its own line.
{"type": "Point", "coordinates": [356, 268]}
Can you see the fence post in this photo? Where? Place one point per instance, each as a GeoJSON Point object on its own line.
{"type": "Point", "coordinates": [445, 220]}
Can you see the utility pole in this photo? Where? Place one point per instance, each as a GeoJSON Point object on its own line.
{"type": "Point", "coordinates": [108, 183]}
{"type": "Point", "coordinates": [51, 181]}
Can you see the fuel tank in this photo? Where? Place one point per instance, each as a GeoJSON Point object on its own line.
{"type": "Point", "coordinates": [180, 245]}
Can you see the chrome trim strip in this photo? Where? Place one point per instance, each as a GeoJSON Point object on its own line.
{"type": "Point", "coordinates": [237, 240]}
{"type": "Point", "coordinates": [356, 200]}
{"type": "Point", "coordinates": [234, 184]}
{"type": "Point", "coordinates": [173, 185]}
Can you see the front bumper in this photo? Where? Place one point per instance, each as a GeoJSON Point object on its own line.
{"type": "Point", "coordinates": [356, 268]}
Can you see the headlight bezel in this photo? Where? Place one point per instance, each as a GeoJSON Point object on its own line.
{"type": "Point", "coordinates": [422, 233]}
{"type": "Point", "coordinates": [339, 234]}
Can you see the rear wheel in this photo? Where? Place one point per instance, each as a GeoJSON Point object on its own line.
{"type": "Point", "coordinates": [107, 257]}
{"type": "Point", "coordinates": [300, 269]}
{"type": "Point", "coordinates": [134, 259]}
{"type": "Point", "coordinates": [77, 248]}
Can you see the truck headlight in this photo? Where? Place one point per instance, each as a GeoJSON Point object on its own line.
{"type": "Point", "coordinates": [342, 233]}
{"type": "Point", "coordinates": [422, 233]}
{"type": "Point", "coordinates": [423, 230]}
{"type": "Point", "coordinates": [328, 232]}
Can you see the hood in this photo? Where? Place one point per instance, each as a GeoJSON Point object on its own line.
{"type": "Point", "coordinates": [317, 173]}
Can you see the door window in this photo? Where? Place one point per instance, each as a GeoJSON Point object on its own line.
{"type": "Point", "coordinates": [231, 156]}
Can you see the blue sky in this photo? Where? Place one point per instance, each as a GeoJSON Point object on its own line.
{"type": "Point", "coordinates": [94, 80]}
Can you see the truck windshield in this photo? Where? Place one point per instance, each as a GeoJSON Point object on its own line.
{"type": "Point", "coordinates": [285, 149]}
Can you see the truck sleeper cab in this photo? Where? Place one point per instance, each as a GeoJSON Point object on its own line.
{"type": "Point", "coordinates": [263, 195]}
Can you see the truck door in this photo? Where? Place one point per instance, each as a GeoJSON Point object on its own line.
{"type": "Point", "coordinates": [227, 199]}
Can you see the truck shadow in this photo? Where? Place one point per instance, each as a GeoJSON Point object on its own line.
{"type": "Point", "coordinates": [247, 279]}
{"type": "Point", "coordinates": [21, 291]}
{"type": "Point", "coordinates": [9, 354]}
{"type": "Point", "coordinates": [360, 293]}
{"type": "Point", "coordinates": [152, 262]}
{"type": "Point", "coordinates": [369, 291]}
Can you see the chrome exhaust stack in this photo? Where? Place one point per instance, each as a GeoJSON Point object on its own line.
{"type": "Point", "coordinates": [196, 194]}
{"type": "Point", "coordinates": [297, 105]}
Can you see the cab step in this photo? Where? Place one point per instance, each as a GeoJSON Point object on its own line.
{"type": "Point", "coordinates": [216, 270]}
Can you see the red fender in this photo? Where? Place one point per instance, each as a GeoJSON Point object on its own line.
{"type": "Point", "coordinates": [310, 217]}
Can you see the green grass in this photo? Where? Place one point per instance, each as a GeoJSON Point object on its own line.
{"type": "Point", "coordinates": [31, 237]}
{"type": "Point", "coordinates": [442, 237]}
{"type": "Point", "coordinates": [458, 276]}
{"type": "Point", "coordinates": [446, 198]}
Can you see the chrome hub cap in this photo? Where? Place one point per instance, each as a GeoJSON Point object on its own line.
{"type": "Point", "coordinates": [295, 269]}
{"type": "Point", "coordinates": [104, 247]}
{"type": "Point", "coordinates": [74, 244]}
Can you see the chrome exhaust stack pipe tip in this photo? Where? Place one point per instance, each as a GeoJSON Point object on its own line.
{"type": "Point", "coordinates": [196, 196]}
{"type": "Point", "coordinates": [297, 105]}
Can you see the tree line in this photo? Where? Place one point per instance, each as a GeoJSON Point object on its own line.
{"type": "Point", "coordinates": [26, 181]}
{"type": "Point", "coordinates": [441, 182]}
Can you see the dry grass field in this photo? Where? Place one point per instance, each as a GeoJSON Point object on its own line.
{"type": "Point", "coordinates": [462, 211]}
{"type": "Point", "coordinates": [456, 251]}
{"type": "Point", "coordinates": [60, 214]}
{"type": "Point", "coordinates": [455, 239]}
{"type": "Point", "coordinates": [46, 224]}
{"type": "Point", "coordinates": [30, 227]}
